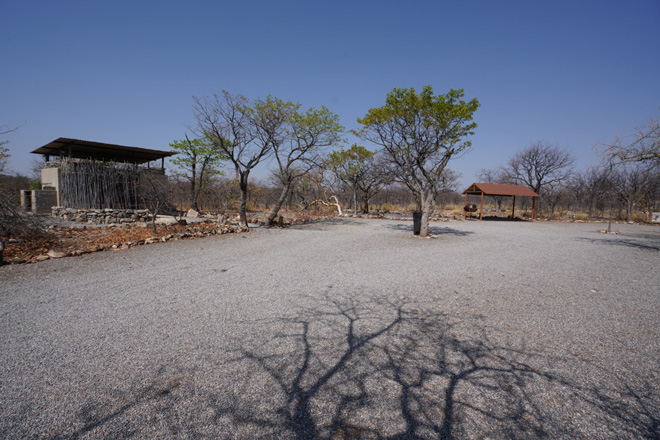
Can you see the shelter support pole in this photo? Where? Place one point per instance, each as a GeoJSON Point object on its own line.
{"type": "Point", "coordinates": [465, 213]}
{"type": "Point", "coordinates": [513, 208]}
{"type": "Point", "coordinates": [481, 211]}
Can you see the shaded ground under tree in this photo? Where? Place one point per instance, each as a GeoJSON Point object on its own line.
{"type": "Point", "coordinates": [360, 366]}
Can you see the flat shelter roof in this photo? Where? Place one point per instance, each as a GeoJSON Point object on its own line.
{"type": "Point", "coordinates": [80, 149]}
{"type": "Point", "coordinates": [496, 189]}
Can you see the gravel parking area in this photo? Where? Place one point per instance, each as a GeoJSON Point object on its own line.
{"type": "Point", "coordinates": [343, 329]}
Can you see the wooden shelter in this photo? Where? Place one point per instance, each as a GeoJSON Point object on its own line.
{"type": "Point", "coordinates": [97, 175]}
{"type": "Point", "coordinates": [499, 190]}
{"type": "Point", "coordinates": [79, 149]}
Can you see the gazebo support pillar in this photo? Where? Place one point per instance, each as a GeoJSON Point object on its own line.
{"type": "Point", "coordinates": [513, 208]}
{"type": "Point", "coordinates": [481, 210]}
{"type": "Point", "coordinates": [464, 211]}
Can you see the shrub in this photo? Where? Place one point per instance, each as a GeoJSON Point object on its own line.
{"type": "Point", "coordinates": [17, 224]}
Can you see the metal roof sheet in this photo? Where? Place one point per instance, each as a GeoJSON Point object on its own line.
{"type": "Point", "coordinates": [81, 149]}
{"type": "Point", "coordinates": [496, 189]}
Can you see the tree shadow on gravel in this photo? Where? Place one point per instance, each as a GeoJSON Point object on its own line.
{"type": "Point", "coordinates": [360, 367]}
{"type": "Point", "coordinates": [117, 414]}
{"type": "Point", "coordinates": [353, 366]}
{"type": "Point", "coordinates": [433, 230]}
{"type": "Point", "coordinates": [322, 225]}
{"type": "Point", "coordinates": [649, 243]}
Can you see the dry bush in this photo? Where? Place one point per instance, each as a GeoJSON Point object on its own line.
{"type": "Point", "coordinates": [16, 223]}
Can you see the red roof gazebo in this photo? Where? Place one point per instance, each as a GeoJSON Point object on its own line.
{"type": "Point", "coordinates": [496, 189]}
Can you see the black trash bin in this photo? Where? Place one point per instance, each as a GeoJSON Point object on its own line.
{"type": "Point", "coordinates": [417, 222]}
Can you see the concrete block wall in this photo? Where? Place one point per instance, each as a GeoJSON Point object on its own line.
{"type": "Point", "coordinates": [38, 202]}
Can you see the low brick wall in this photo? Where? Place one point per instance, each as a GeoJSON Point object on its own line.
{"type": "Point", "coordinates": [101, 216]}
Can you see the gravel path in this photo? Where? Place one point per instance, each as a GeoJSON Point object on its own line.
{"type": "Point", "coordinates": [344, 329]}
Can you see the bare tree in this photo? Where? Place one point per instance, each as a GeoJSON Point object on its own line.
{"type": "Point", "coordinates": [495, 175]}
{"type": "Point", "coordinates": [37, 163]}
{"type": "Point", "coordinates": [650, 197]}
{"type": "Point", "coordinates": [641, 144]}
{"type": "Point", "coordinates": [14, 221]}
{"type": "Point", "coordinates": [5, 129]}
{"type": "Point", "coordinates": [447, 186]}
{"type": "Point", "coordinates": [376, 176]}
{"type": "Point", "coordinates": [227, 121]}
{"type": "Point", "coordinates": [630, 184]}
{"type": "Point", "coordinates": [591, 188]}
{"type": "Point", "coordinates": [4, 155]}
{"type": "Point", "coordinates": [4, 151]}
{"type": "Point", "coordinates": [153, 191]}
{"type": "Point", "coordinates": [538, 165]}
{"type": "Point", "coordinates": [316, 188]}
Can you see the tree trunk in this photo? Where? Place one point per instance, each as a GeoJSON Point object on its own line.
{"type": "Point", "coordinates": [629, 211]}
{"type": "Point", "coordinates": [243, 184]}
{"type": "Point", "coordinates": [355, 207]}
{"type": "Point", "coordinates": [426, 202]}
{"type": "Point", "coordinates": [153, 217]}
{"type": "Point", "coordinates": [193, 188]}
{"type": "Point", "coordinates": [280, 201]}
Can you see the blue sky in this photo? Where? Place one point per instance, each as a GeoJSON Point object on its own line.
{"type": "Point", "coordinates": [571, 73]}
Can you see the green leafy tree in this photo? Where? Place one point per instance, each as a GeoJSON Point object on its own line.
{"type": "Point", "coordinates": [351, 166]}
{"type": "Point", "coordinates": [419, 134]}
{"type": "Point", "coordinates": [298, 140]}
{"type": "Point", "coordinates": [199, 160]}
{"type": "Point", "coordinates": [248, 133]}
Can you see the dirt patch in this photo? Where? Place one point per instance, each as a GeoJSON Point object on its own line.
{"type": "Point", "coordinates": [63, 241]}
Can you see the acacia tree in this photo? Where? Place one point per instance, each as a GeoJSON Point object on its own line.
{"type": "Point", "coordinates": [419, 133]}
{"type": "Point", "coordinates": [297, 139]}
{"type": "Point", "coordinates": [227, 121]}
{"type": "Point", "coordinates": [199, 160]}
{"type": "Point", "coordinates": [351, 166]}
{"type": "Point", "coordinates": [642, 144]}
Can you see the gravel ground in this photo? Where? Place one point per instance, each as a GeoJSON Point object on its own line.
{"type": "Point", "coordinates": [344, 329]}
